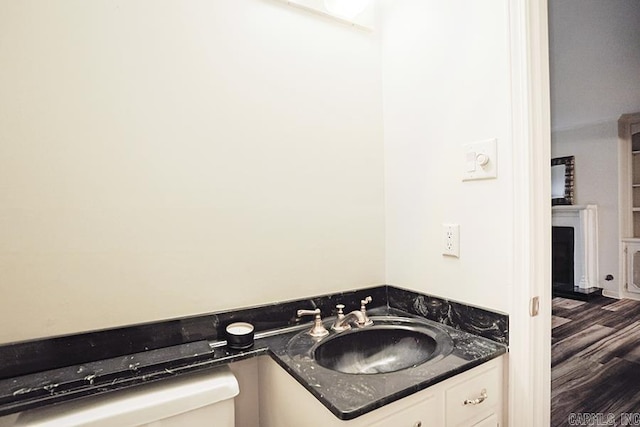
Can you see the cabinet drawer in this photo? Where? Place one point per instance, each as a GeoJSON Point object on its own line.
{"type": "Point", "coordinates": [490, 421]}
{"type": "Point", "coordinates": [466, 403]}
{"type": "Point", "coordinates": [425, 413]}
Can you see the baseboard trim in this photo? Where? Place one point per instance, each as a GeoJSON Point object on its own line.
{"type": "Point", "coordinates": [610, 294]}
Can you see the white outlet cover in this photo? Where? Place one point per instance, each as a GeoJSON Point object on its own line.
{"type": "Point", "coordinates": [474, 170]}
{"type": "Point", "coordinates": [451, 240]}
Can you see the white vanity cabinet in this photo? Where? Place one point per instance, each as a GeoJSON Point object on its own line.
{"type": "Point", "coordinates": [472, 398]}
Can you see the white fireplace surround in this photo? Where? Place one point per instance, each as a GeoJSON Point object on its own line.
{"type": "Point", "coordinates": [584, 220]}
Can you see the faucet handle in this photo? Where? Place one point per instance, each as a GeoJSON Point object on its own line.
{"type": "Point", "coordinates": [301, 313]}
{"type": "Point", "coordinates": [363, 309]}
{"type": "Point", "coordinates": [318, 329]}
{"type": "Point", "coordinates": [340, 308]}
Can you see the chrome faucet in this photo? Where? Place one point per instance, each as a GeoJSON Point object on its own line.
{"type": "Point", "coordinates": [318, 330]}
{"type": "Point", "coordinates": [356, 317]}
{"type": "Point", "coordinates": [344, 323]}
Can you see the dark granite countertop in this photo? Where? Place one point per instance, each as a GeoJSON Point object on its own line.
{"type": "Point", "coordinates": [348, 399]}
{"type": "Point", "coordinates": [344, 397]}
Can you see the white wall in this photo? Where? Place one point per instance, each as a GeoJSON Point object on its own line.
{"type": "Point", "coordinates": [594, 49]}
{"type": "Point", "coordinates": [596, 181]}
{"type": "Point", "coordinates": [446, 82]}
{"type": "Point", "coordinates": [167, 158]}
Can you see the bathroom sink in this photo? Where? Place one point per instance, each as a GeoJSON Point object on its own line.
{"type": "Point", "coordinates": [375, 350]}
{"type": "Point", "coordinates": [392, 344]}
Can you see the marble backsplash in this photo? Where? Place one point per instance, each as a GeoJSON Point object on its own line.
{"type": "Point", "coordinates": [478, 321]}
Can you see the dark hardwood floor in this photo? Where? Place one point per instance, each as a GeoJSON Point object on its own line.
{"type": "Point", "coordinates": [595, 361]}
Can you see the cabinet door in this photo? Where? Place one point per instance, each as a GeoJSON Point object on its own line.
{"type": "Point", "coordinates": [633, 267]}
{"type": "Point", "coordinates": [285, 403]}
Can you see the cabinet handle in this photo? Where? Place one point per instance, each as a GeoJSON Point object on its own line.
{"type": "Point", "coordinates": [418, 424]}
{"type": "Point", "coordinates": [479, 400]}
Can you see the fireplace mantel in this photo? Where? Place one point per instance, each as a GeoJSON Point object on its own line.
{"type": "Point", "coordinates": [584, 220]}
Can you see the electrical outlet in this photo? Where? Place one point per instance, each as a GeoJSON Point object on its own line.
{"type": "Point", "coordinates": [451, 240]}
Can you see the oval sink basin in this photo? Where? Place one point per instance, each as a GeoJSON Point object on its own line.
{"type": "Point", "coordinates": [392, 344]}
{"type": "Point", "coordinates": [376, 350]}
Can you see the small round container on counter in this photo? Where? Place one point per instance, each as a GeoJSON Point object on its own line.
{"type": "Point", "coordinates": [240, 335]}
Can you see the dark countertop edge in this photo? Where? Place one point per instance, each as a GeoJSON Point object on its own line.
{"type": "Point", "coordinates": [90, 390]}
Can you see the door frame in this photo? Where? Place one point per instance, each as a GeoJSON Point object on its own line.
{"type": "Point", "coordinates": [529, 388]}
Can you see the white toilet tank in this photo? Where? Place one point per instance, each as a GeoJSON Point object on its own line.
{"type": "Point", "coordinates": [193, 400]}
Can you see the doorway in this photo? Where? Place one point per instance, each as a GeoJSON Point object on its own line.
{"type": "Point", "coordinates": [594, 52]}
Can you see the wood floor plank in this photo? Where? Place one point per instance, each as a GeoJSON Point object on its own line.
{"type": "Point", "coordinates": [564, 349]}
{"type": "Point", "coordinates": [559, 302]}
{"type": "Point", "coordinates": [570, 312]}
{"type": "Point", "coordinates": [558, 321]}
{"type": "Point", "coordinates": [568, 374]}
{"type": "Point", "coordinates": [621, 305]}
{"type": "Point", "coordinates": [621, 319]}
{"type": "Point", "coordinates": [614, 345]}
{"type": "Point", "coordinates": [633, 355]}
